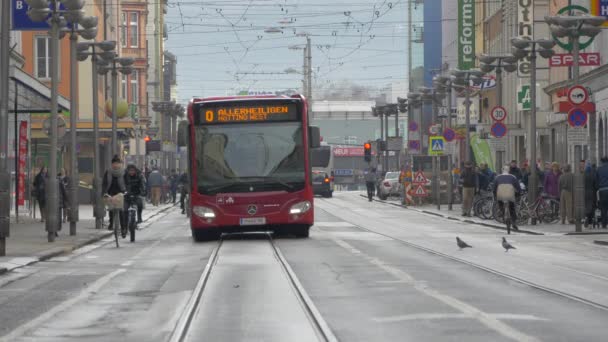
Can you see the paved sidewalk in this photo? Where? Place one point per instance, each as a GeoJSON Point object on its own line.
{"type": "Point", "coordinates": [456, 214]}
{"type": "Point", "coordinates": [28, 242]}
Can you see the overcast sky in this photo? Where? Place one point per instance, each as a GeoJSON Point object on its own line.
{"type": "Point", "coordinates": [222, 46]}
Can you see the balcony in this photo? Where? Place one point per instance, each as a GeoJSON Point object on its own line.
{"type": "Point", "coordinates": [139, 52]}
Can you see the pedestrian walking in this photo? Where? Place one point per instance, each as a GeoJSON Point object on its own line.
{"type": "Point", "coordinates": [173, 182]}
{"type": "Point", "coordinates": [40, 191]}
{"type": "Point", "coordinates": [64, 182]}
{"type": "Point", "coordinates": [590, 191]}
{"type": "Point", "coordinates": [602, 184]}
{"type": "Point", "coordinates": [184, 183]}
{"type": "Point", "coordinates": [113, 184]}
{"type": "Point", "coordinates": [470, 185]}
{"type": "Point", "coordinates": [370, 182]}
{"type": "Point", "coordinates": [566, 190]}
{"type": "Point", "coordinates": [155, 182]}
{"type": "Point", "coordinates": [551, 181]}
{"type": "Point", "coordinates": [135, 183]}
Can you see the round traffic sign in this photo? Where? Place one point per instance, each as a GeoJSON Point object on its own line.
{"type": "Point", "coordinates": [413, 145]}
{"type": "Point", "coordinates": [434, 129]}
{"type": "Point", "coordinates": [578, 95]}
{"type": "Point", "coordinates": [413, 126]}
{"type": "Point", "coordinates": [498, 113]}
{"type": "Point", "coordinates": [577, 117]}
{"type": "Point", "coordinates": [449, 134]}
{"type": "Point", "coordinates": [61, 127]}
{"type": "Point", "coordinates": [498, 130]}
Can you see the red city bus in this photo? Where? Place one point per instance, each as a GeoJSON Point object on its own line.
{"type": "Point", "coordinates": [249, 165]}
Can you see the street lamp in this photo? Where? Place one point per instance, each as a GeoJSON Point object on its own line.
{"type": "Point", "coordinates": [41, 10]}
{"type": "Point", "coordinates": [528, 48]}
{"type": "Point", "coordinates": [498, 63]}
{"type": "Point", "coordinates": [574, 27]}
{"type": "Point", "coordinates": [88, 31]}
{"type": "Point", "coordinates": [464, 78]}
{"type": "Point", "coordinates": [95, 49]}
{"type": "Point", "coordinates": [111, 62]}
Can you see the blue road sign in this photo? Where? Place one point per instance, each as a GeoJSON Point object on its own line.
{"type": "Point", "coordinates": [498, 130]}
{"type": "Point", "coordinates": [577, 117]}
{"type": "Point", "coordinates": [413, 145]}
{"type": "Point", "coordinates": [413, 126]}
{"type": "Point", "coordinates": [449, 134]}
{"type": "Point", "coordinates": [21, 22]}
{"type": "Point", "coordinates": [343, 172]}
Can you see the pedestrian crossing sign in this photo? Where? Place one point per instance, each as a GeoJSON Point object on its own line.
{"type": "Point", "coordinates": [436, 145]}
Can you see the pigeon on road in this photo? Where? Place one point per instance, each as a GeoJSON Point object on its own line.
{"type": "Point", "coordinates": [506, 245]}
{"type": "Point", "coordinates": [461, 244]}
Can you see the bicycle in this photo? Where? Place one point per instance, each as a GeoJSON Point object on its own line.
{"type": "Point", "coordinates": [131, 215]}
{"type": "Point", "coordinates": [115, 206]}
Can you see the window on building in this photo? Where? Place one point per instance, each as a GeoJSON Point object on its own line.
{"type": "Point", "coordinates": [133, 29]}
{"type": "Point", "coordinates": [43, 57]}
{"type": "Point", "coordinates": [123, 30]}
{"type": "Point", "coordinates": [123, 87]}
{"type": "Point", "coordinates": [134, 87]}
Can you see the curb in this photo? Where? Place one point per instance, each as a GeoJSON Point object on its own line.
{"type": "Point", "coordinates": [454, 218]}
{"type": "Point", "coordinates": [601, 243]}
{"type": "Point", "coordinates": [586, 233]}
{"type": "Point", "coordinates": [57, 251]}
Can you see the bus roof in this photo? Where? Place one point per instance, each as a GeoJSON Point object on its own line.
{"type": "Point", "coordinates": [243, 98]}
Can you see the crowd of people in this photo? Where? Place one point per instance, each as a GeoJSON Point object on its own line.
{"type": "Point", "coordinates": [554, 181]}
{"type": "Point", "coordinates": [148, 184]}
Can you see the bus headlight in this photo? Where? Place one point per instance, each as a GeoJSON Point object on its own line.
{"type": "Point", "coordinates": [203, 212]}
{"type": "Point", "coordinates": [300, 208]}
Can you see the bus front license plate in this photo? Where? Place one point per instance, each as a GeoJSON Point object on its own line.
{"type": "Point", "coordinates": [253, 221]}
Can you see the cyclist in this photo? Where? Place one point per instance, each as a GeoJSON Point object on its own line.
{"type": "Point", "coordinates": [136, 186]}
{"type": "Point", "coordinates": [506, 188]}
{"type": "Point", "coordinates": [113, 184]}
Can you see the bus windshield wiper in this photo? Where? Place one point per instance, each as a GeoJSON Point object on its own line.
{"type": "Point", "coordinates": [269, 181]}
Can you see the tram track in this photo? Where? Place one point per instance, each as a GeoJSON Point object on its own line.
{"type": "Point", "coordinates": [191, 313]}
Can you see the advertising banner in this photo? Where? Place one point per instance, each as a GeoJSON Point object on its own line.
{"type": "Point", "coordinates": [482, 151]}
{"type": "Point", "coordinates": [466, 34]}
{"type": "Point", "coordinates": [525, 28]}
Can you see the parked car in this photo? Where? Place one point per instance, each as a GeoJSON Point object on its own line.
{"type": "Point", "coordinates": [389, 186]}
{"type": "Point", "coordinates": [322, 184]}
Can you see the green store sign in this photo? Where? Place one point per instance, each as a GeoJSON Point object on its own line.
{"type": "Point", "coordinates": [568, 46]}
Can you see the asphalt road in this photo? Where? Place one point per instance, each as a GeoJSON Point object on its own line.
{"type": "Point", "coordinates": [373, 271]}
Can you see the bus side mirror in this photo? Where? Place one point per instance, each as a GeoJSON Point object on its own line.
{"type": "Point", "coordinates": [314, 136]}
{"type": "Point", "coordinates": [182, 134]}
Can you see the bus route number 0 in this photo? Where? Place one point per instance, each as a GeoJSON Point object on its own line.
{"type": "Point", "coordinates": [209, 116]}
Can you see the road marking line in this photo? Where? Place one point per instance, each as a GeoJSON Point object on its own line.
{"type": "Point", "coordinates": [435, 316]}
{"type": "Point", "coordinates": [127, 264]}
{"type": "Point", "coordinates": [467, 309]}
{"type": "Point", "coordinates": [91, 290]}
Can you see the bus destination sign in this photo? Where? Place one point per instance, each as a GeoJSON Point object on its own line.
{"type": "Point", "coordinates": [250, 113]}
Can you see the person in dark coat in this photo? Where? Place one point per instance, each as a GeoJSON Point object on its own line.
{"type": "Point", "coordinates": [136, 186]}
{"type": "Point", "coordinates": [590, 191]}
{"type": "Point", "coordinates": [602, 186]}
{"type": "Point", "coordinates": [470, 185]}
{"type": "Point", "coordinates": [40, 191]}
{"type": "Point", "coordinates": [515, 171]}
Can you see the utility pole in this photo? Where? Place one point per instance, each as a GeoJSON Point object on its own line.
{"type": "Point", "coordinates": [309, 80]}
{"type": "Point", "coordinates": [579, 179]}
{"type": "Point", "coordinates": [5, 180]}
{"type": "Point", "coordinates": [52, 208]}
{"type": "Point", "coordinates": [114, 109]}
{"type": "Point", "coordinates": [73, 137]}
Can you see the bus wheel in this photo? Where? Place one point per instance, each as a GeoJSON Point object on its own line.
{"type": "Point", "coordinates": [301, 231]}
{"type": "Point", "coordinates": [204, 235]}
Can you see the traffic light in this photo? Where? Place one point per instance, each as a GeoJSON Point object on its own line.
{"type": "Point", "coordinates": [147, 138]}
{"type": "Point", "coordinates": [402, 105]}
{"type": "Point", "coordinates": [367, 148]}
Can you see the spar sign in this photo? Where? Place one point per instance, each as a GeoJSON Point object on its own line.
{"type": "Point", "coordinates": [525, 28]}
{"type": "Point", "coordinates": [466, 34]}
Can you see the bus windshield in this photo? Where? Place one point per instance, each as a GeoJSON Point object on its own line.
{"type": "Point", "coordinates": [249, 157]}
